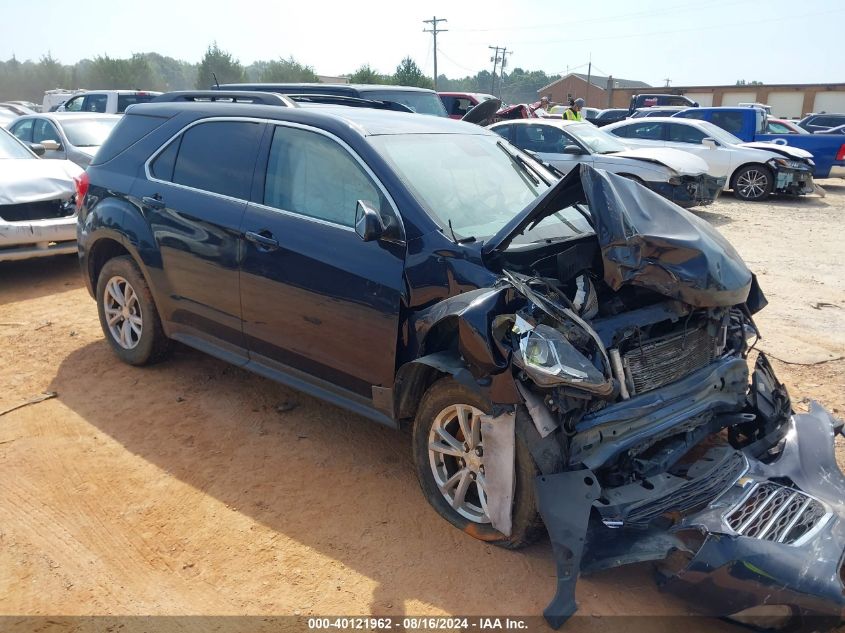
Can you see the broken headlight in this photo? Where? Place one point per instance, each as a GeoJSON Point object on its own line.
{"type": "Point", "coordinates": [550, 360]}
{"type": "Point", "coordinates": [791, 164]}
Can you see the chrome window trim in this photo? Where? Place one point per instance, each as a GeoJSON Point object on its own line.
{"type": "Point", "coordinates": [149, 176]}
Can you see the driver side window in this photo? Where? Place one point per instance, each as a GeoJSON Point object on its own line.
{"type": "Point", "coordinates": [74, 105]}
{"type": "Point", "coordinates": [312, 175]}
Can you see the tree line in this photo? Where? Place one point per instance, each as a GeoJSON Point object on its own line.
{"type": "Point", "coordinates": [29, 80]}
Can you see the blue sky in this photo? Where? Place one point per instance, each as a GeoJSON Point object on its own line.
{"type": "Point", "coordinates": [690, 42]}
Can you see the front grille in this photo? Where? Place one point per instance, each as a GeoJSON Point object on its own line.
{"type": "Point", "coordinates": [776, 513]}
{"type": "Point", "coordinates": [27, 211]}
{"type": "Point", "coordinates": [663, 360]}
{"type": "Point", "coordinates": [695, 493]}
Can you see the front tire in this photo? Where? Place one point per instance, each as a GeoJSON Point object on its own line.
{"type": "Point", "coordinates": [128, 314]}
{"type": "Point", "coordinates": [753, 183]}
{"type": "Point", "coordinates": [453, 483]}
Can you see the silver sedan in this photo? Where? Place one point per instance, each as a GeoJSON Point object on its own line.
{"type": "Point", "coordinates": [66, 135]}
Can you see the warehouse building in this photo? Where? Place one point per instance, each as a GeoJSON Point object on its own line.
{"type": "Point", "coordinates": [787, 100]}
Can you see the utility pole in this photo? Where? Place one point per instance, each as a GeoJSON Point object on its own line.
{"type": "Point", "coordinates": [434, 31]}
{"type": "Point", "coordinates": [502, 68]}
{"type": "Point", "coordinates": [495, 60]}
{"type": "Point", "coordinates": [589, 79]}
{"type": "Point", "coordinates": [667, 80]}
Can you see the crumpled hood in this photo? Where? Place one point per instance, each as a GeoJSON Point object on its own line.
{"type": "Point", "coordinates": [33, 180]}
{"type": "Point", "coordinates": [777, 148]}
{"type": "Point", "coordinates": [645, 239]}
{"type": "Point", "coordinates": [685, 163]}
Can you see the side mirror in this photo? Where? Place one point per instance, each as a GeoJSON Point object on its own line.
{"type": "Point", "coordinates": [368, 224]}
{"type": "Point", "coordinates": [38, 148]}
{"type": "Point", "coordinates": [573, 149]}
{"type": "Point", "coordinates": [712, 143]}
{"type": "Point", "coordinates": [53, 146]}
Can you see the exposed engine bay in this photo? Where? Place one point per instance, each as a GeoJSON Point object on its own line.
{"type": "Point", "coordinates": [654, 440]}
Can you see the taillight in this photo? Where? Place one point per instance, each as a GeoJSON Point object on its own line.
{"type": "Point", "coordinates": [841, 154]}
{"type": "Point", "coordinates": [82, 183]}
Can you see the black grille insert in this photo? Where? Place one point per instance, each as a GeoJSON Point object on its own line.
{"type": "Point", "coordinates": [27, 211]}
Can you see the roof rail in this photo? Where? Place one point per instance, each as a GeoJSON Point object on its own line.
{"type": "Point", "coordinates": [225, 96]}
{"type": "Point", "coordinates": [356, 102]}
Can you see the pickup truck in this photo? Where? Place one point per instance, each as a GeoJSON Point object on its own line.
{"type": "Point", "coordinates": [748, 124]}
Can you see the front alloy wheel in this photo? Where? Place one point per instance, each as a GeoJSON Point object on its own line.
{"type": "Point", "coordinates": [753, 183]}
{"type": "Point", "coordinates": [456, 457]}
{"type": "Point", "coordinates": [450, 462]}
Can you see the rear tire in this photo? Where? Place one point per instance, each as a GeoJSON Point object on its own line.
{"type": "Point", "coordinates": [440, 403]}
{"type": "Point", "coordinates": [128, 314]}
{"type": "Point", "coordinates": [753, 182]}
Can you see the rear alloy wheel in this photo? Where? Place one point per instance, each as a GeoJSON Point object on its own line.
{"type": "Point", "coordinates": [128, 313]}
{"type": "Point", "coordinates": [450, 462]}
{"type": "Point", "coordinates": [754, 182]}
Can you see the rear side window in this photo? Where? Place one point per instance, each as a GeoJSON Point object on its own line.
{"type": "Point", "coordinates": [218, 156]}
{"type": "Point", "coordinates": [312, 175]}
{"type": "Point", "coordinates": [23, 130]}
{"type": "Point", "coordinates": [645, 131]}
{"type": "Point", "coordinates": [730, 121]}
{"type": "Point", "coordinates": [96, 103]}
{"type": "Point", "coordinates": [679, 133]}
{"type": "Point", "coordinates": [128, 131]}
{"type": "Point", "coordinates": [124, 101]}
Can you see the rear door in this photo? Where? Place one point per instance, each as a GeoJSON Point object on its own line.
{"type": "Point", "coordinates": [319, 302]}
{"type": "Point", "coordinates": [194, 197]}
{"type": "Point", "coordinates": [642, 133]}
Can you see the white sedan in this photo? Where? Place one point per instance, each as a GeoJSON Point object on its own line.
{"type": "Point", "coordinates": [37, 214]}
{"type": "Point", "coordinates": [752, 170]}
{"type": "Point", "coordinates": [676, 175]}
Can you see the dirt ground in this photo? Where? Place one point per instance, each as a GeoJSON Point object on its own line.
{"type": "Point", "coordinates": [193, 487]}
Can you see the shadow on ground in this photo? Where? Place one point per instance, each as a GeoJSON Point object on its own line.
{"type": "Point", "coordinates": [343, 486]}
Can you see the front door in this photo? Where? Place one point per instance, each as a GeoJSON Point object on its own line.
{"type": "Point", "coordinates": [316, 298]}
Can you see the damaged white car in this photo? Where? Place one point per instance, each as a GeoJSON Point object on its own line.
{"type": "Point", "coordinates": [37, 213]}
{"type": "Point", "coordinates": [676, 175]}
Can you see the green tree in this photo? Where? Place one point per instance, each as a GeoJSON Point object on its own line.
{"type": "Point", "coordinates": [409, 74]}
{"type": "Point", "coordinates": [366, 75]}
{"type": "Point", "coordinates": [217, 61]}
{"type": "Point", "coordinates": [106, 72]}
{"type": "Point", "coordinates": [288, 70]}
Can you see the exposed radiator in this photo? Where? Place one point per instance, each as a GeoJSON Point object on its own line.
{"type": "Point", "coordinates": [776, 513]}
{"type": "Point", "coordinates": [659, 361]}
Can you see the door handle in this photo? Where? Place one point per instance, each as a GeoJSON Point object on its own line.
{"type": "Point", "coordinates": [263, 239]}
{"type": "Point", "coordinates": [154, 202]}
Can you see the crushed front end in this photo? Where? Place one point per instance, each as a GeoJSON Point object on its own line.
{"type": "Point", "coordinates": [689, 191]}
{"type": "Point", "coordinates": [653, 439]}
{"type": "Point", "coordinates": [793, 176]}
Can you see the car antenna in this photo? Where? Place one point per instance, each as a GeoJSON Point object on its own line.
{"type": "Point", "coordinates": [451, 230]}
{"type": "Point", "coordinates": [216, 83]}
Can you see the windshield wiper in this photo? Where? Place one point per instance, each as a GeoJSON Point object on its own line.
{"type": "Point", "coordinates": [459, 240]}
{"type": "Point", "coordinates": [522, 165]}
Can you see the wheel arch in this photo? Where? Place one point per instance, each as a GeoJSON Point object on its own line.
{"type": "Point", "coordinates": [740, 167]}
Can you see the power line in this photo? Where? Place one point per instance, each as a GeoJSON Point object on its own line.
{"type": "Point", "coordinates": [434, 31]}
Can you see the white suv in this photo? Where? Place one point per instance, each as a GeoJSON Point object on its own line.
{"type": "Point", "coordinates": [106, 101]}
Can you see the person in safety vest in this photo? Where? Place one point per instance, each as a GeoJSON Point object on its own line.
{"type": "Point", "coordinates": [573, 112]}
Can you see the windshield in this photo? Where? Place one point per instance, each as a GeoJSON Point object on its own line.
{"type": "Point", "coordinates": [419, 101]}
{"type": "Point", "coordinates": [561, 225]}
{"type": "Point", "coordinates": [10, 147]}
{"type": "Point", "coordinates": [475, 182]}
{"type": "Point", "coordinates": [88, 132]}
{"type": "Point", "coordinates": [597, 141]}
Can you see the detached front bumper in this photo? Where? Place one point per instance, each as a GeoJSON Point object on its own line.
{"type": "Point", "coordinates": [742, 530]}
{"type": "Point", "coordinates": [796, 181]}
{"type": "Point", "coordinates": [777, 537]}
{"type": "Point", "coordinates": [691, 190]}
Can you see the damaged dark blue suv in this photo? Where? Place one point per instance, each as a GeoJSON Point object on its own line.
{"type": "Point", "coordinates": [571, 354]}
